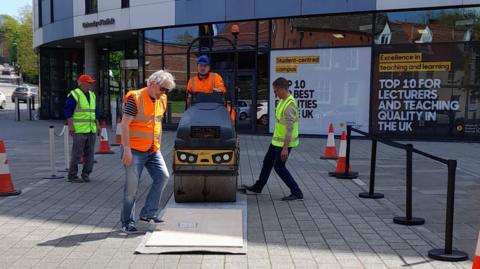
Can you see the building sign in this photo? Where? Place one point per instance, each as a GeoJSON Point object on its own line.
{"type": "Point", "coordinates": [330, 86]}
{"type": "Point", "coordinates": [423, 91]}
{"type": "Point", "coordinates": [97, 23]}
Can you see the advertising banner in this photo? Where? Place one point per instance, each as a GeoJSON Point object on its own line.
{"type": "Point", "coordinates": [425, 91]}
{"type": "Point", "coordinates": [330, 86]}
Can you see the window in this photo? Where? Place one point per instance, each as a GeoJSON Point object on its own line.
{"type": "Point", "coordinates": [91, 6]}
{"type": "Point", "coordinates": [40, 21]}
{"type": "Point", "coordinates": [322, 31]}
{"type": "Point", "coordinates": [428, 26]}
{"type": "Point", "coordinates": [51, 11]}
{"type": "Point", "coordinates": [125, 3]}
{"type": "Point", "coordinates": [324, 91]}
{"type": "Point", "coordinates": [153, 41]}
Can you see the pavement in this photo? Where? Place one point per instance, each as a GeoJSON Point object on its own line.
{"type": "Point", "coordinates": [55, 224]}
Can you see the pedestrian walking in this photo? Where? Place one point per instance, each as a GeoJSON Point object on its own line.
{"type": "Point", "coordinates": [285, 137]}
{"type": "Point", "coordinates": [142, 125]}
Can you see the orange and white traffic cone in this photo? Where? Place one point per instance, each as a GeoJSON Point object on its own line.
{"type": "Point", "coordinates": [476, 260]}
{"type": "Point", "coordinates": [341, 162]}
{"type": "Point", "coordinates": [118, 134]}
{"type": "Point", "coordinates": [330, 149]}
{"type": "Point", "coordinates": [104, 147]}
{"type": "Point", "coordinates": [6, 184]}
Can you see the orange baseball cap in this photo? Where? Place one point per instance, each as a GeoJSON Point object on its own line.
{"type": "Point", "coordinates": [86, 78]}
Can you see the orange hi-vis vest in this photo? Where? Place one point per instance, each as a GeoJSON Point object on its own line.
{"type": "Point", "coordinates": [207, 84]}
{"type": "Point", "coordinates": [146, 128]}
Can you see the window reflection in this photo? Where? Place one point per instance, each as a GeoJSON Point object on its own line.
{"type": "Point", "coordinates": [427, 26]}
{"type": "Point", "coordinates": [153, 41]}
{"type": "Point", "coordinates": [324, 31]}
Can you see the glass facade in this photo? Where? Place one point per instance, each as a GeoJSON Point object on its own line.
{"type": "Point", "coordinates": [60, 69]}
{"type": "Point", "coordinates": [399, 51]}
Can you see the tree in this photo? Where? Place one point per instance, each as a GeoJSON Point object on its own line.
{"type": "Point", "coordinates": [27, 57]}
{"type": "Point", "coordinates": [9, 28]}
{"type": "Point", "coordinates": [19, 39]}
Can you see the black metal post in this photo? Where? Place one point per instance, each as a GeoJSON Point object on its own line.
{"type": "Point", "coordinates": [347, 174]}
{"type": "Point", "coordinates": [408, 219]}
{"type": "Point", "coordinates": [29, 108]}
{"type": "Point", "coordinates": [17, 109]}
{"type": "Point", "coordinates": [33, 103]}
{"type": "Point", "coordinates": [448, 253]}
{"type": "Point", "coordinates": [371, 192]}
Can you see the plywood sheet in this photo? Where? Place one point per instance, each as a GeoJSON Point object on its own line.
{"type": "Point", "coordinates": [195, 227]}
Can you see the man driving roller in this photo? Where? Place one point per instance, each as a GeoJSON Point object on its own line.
{"type": "Point", "coordinates": [206, 81]}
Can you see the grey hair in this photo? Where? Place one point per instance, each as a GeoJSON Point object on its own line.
{"type": "Point", "coordinates": [163, 78]}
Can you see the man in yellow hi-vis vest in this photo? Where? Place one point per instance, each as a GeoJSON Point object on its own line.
{"type": "Point", "coordinates": [285, 137]}
{"type": "Point", "coordinates": [82, 118]}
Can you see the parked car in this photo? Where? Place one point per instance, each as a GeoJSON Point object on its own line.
{"type": "Point", "coordinates": [262, 113]}
{"type": "Point", "coordinates": [244, 109]}
{"type": "Point", "coordinates": [3, 101]}
{"type": "Point", "coordinates": [23, 92]}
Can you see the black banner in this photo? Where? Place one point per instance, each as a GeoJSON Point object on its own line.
{"type": "Point", "coordinates": [426, 91]}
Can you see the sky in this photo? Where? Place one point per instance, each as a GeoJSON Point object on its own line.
{"type": "Point", "coordinates": [10, 7]}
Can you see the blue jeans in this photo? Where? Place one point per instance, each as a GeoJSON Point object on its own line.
{"type": "Point", "coordinates": [273, 160]}
{"type": "Point", "coordinates": [158, 171]}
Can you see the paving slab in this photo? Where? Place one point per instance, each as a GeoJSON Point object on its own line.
{"type": "Point", "coordinates": [55, 224]}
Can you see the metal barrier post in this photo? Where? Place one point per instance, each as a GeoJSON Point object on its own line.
{"type": "Point", "coordinates": [448, 253]}
{"type": "Point", "coordinates": [29, 108]}
{"type": "Point", "coordinates": [33, 103]}
{"type": "Point", "coordinates": [371, 192]}
{"type": "Point", "coordinates": [17, 109]}
{"type": "Point", "coordinates": [65, 148]}
{"type": "Point", "coordinates": [347, 174]}
{"type": "Point", "coordinates": [408, 219]}
{"type": "Point", "coordinates": [51, 138]}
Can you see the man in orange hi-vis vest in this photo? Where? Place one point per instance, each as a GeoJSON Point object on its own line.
{"type": "Point", "coordinates": [142, 124]}
{"type": "Point", "coordinates": [206, 82]}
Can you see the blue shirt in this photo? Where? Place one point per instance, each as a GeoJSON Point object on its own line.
{"type": "Point", "coordinates": [70, 105]}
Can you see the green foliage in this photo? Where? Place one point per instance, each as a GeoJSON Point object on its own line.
{"type": "Point", "coordinates": [177, 94]}
{"type": "Point", "coordinates": [19, 38]}
{"type": "Point", "coordinates": [9, 26]}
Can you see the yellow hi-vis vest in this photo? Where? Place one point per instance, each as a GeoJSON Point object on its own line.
{"type": "Point", "coordinates": [280, 127]}
{"type": "Point", "coordinates": [84, 113]}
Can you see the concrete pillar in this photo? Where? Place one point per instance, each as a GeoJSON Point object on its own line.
{"type": "Point", "coordinates": [91, 61]}
{"type": "Point", "coordinates": [91, 58]}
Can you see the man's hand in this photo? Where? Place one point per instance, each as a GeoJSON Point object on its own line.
{"type": "Point", "coordinates": [99, 130]}
{"type": "Point", "coordinates": [127, 157]}
{"type": "Point", "coordinates": [216, 90]}
{"type": "Point", "coordinates": [284, 154]}
{"type": "Point", "coordinates": [71, 130]}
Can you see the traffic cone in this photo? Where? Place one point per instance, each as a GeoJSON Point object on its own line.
{"type": "Point", "coordinates": [330, 149]}
{"type": "Point", "coordinates": [6, 184]}
{"type": "Point", "coordinates": [476, 260]}
{"type": "Point", "coordinates": [118, 134]}
{"type": "Point", "coordinates": [341, 162]}
{"type": "Point", "coordinates": [104, 147]}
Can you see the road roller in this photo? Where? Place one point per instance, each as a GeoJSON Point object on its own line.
{"type": "Point", "coordinates": [206, 152]}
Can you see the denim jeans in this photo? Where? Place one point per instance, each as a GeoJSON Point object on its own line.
{"type": "Point", "coordinates": [156, 167]}
{"type": "Point", "coordinates": [273, 160]}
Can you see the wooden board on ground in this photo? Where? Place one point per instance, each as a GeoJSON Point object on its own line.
{"type": "Point", "coordinates": [195, 227]}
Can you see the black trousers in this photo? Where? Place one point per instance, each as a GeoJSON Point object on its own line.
{"type": "Point", "coordinates": [273, 160]}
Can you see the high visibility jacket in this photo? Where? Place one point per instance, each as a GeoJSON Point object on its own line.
{"type": "Point", "coordinates": [280, 123]}
{"type": "Point", "coordinates": [146, 128]}
{"type": "Point", "coordinates": [84, 113]}
{"type": "Point", "coordinates": [206, 84]}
